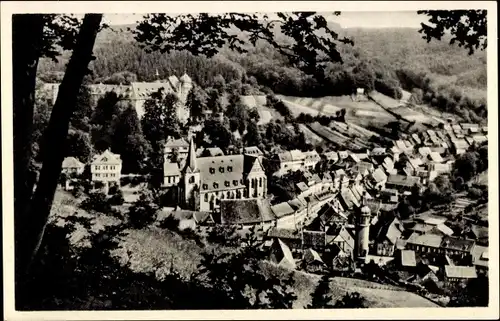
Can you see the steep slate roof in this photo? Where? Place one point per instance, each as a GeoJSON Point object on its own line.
{"type": "Point", "coordinates": [480, 255]}
{"type": "Point", "coordinates": [282, 233]}
{"type": "Point", "coordinates": [245, 211]}
{"type": "Point", "coordinates": [289, 156]}
{"type": "Point", "coordinates": [217, 171]}
{"type": "Point", "coordinates": [430, 240]}
{"type": "Point", "coordinates": [461, 272]}
{"type": "Point", "coordinates": [313, 239]}
{"type": "Point", "coordinates": [251, 150]}
{"type": "Point", "coordinates": [408, 258]}
{"type": "Point", "coordinates": [281, 254]}
{"type": "Point", "coordinates": [172, 143]}
{"type": "Point", "coordinates": [402, 180]}
{"type": "Point", "coordinates": [296, 204]}
{"type": "Point", "coordinates": [311, 156]}
{"type": "Point", "coordinates": [454, 243]}
{"type": "Point", "coordinates": [72, 162]}
{"type": "Point", "coordinates": [445, 229]}
{"type": "Point", "coordinates": [379, 175]}
{"type": "Point", "coordinates": [391, 231]}
{"type": "Point", "coordinates": [311, 256]}
{"type": "Point", "coordinates": [213, 151]}
{"type": "Point", "coordinates": [435, 157]}
{"type": "Point", "coordinates": [107, 158]}
{"type": "Point", "coordinates": [282, 209]}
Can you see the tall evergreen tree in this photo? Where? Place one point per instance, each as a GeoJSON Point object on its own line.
{"type": "Point", "coordinates": [321, 299]}
{"type": "Point", "coordinates": [129, 142]}
{"type": "Point", "coordinates": [196, 102]}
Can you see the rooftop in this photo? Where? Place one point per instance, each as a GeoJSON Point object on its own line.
{"type": "Point", "coordinates": [461, 272]}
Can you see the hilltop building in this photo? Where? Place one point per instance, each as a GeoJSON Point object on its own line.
{"type": "Point", "coordinates": [139, 92]}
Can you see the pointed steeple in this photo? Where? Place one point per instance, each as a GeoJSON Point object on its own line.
{"type": "Point", "coordinates": [191, 159]}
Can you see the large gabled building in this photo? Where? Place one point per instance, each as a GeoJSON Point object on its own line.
{"type": "Point", "coordinates": [205, 181]}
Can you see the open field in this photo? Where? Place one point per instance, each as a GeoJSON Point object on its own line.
{"type": "Point", "coordinates": [310, 135]}
{"type": "Point", "coordinates": [376, 295]}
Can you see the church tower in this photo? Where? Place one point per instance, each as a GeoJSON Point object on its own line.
{"type": "Point", "coordinates": [363, 217]}
{"type": "Point", "coordinates": [257, 179]}
{"type": "Point", "coordinates": [190, 179]}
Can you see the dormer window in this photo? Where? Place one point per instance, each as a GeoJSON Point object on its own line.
{"type": "Point", "coordinates": [235, 182]}
{"type": "Point", "coordinates": [216, 185]}
{"type": "Point", "coordinates": [229, 168]}
{"type": "Point", "coordinates": [227, 184]}
{"type": "Point", "coordinates": [205, 186]}
{"type": "Point", "coordinates": [212, 170]}
{"type": "Point", "coordinates": [221, 169]}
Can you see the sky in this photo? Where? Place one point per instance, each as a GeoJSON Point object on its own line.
{"type": "Point", "coordinates": [358, 19]}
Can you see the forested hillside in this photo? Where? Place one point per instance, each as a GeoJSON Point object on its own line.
{"type": "Point", "coordinates": [386, 60]}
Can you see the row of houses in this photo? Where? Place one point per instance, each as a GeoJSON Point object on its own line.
{"type": "Point", "coordinates": [105, 168]}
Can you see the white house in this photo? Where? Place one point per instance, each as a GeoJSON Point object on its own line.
{"type": "Point", "coordinates": [290, 161]}
{"type": "Point", "coordinates": [106, 168]}
{"type": "Point", "coordinates": [71, 165]}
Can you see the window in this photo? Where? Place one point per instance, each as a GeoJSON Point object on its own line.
{"type": "Point", "coordinates": [229, 168]}
{"type": "Point", "coordinates": [168, 179]}
{"type": "Point", "coordinates": [206, 197]}
{"type": "Point", "coordinates": [227, 184]}
{"type": "Point", "coordinates": [238, 194]}
{"type": "Point", "coordinates": [216, 185]}
{"type": "Point", "coordinates": [260, 182]}
{"type": "Point", "coordinates": [191, 180]}
{"type": "Point", "coordinates": [212, 170]}
{"type": "Point", "coordinates": [97, 167]}
{"type": "Point", "coordinates": [97, 175]}
{"type": "Point", "coordinates": [241, 181]}
{"type": "Point", "coordinates": [221, 169]}
{"type": "Point", "coordinates": [235, 182]}
{"type": "Point", "coordinates": [205, 186]}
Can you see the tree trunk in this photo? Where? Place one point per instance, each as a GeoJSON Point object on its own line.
{"type": "Point", "coordinates": [55, 137]}
{"type": "Point", "coordinates": [27, 33]}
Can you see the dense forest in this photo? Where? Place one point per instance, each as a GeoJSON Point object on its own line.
{"type": "Point", "coordinates": [385, 60]}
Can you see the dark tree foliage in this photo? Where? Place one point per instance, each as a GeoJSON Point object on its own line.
{"type": "Point", "coordinates": [205, 34]}
{"type": "Point", "coordinates": [321, 298]}
{"type": "Point", "coordinates": [160, 118]}
{"type": "Point", "coordinates": [103, 117]}
{"type": "Point", "coordinates": [474, 294]}
{"type": "Point", "coordinates": [96, 201]}
{"type": "Point", "coordinates": [252, 137]}
{"type": "Point", "coordinates": [196, 102]}
{"type": "Point", "coordinates": [467, 27]}
{"type": "Point", "coordinates": [239, 279]}
{"type": "Point", "coordinates": [219, 133]}
{"type": "Point", "coordinates": [78, 145]}
{"type": "Point", "coordinates": [129, 142]}
{"type": "Point", "coordinates": [35, 36]}
{"type": "Point", "coordinates": [143, 211]}
{"type": "Point", "coordinates": [352, 300]}
{"type": "Point", "coordinates": [83, 110]}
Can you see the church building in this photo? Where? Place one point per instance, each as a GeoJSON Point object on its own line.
{"type": "Point", "coordinates": [205, 181]}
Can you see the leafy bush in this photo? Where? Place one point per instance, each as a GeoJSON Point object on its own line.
{"type": "Point", "coordinates": [117, 198]}
{"type": "Point", "coordinates": [143, 211]}
{"type": "Point", "coordinates": [96, 201]}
